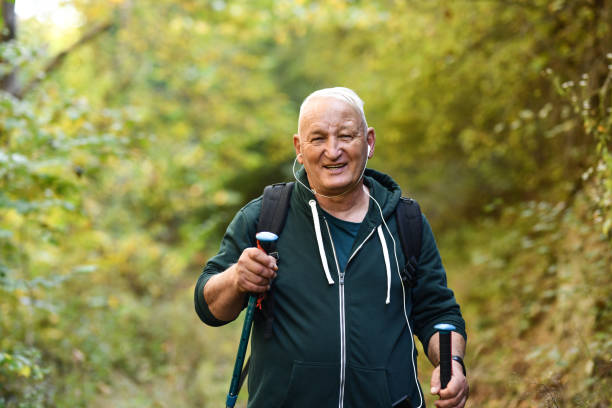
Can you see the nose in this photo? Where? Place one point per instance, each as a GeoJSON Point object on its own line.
{"type": "Point", "coordinates": [333, 148]}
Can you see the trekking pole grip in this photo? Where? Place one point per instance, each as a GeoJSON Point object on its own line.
{"type": "Point", "coordinates": [446, 371]}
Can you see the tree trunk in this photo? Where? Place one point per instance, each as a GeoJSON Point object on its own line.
{"type": "Point", "coordinates": [8, 82]}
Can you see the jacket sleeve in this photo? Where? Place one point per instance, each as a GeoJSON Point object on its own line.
{"type": "Point", "coordinates": [238, 236]}
{"type": "Point", "coordinates": [433, 301]}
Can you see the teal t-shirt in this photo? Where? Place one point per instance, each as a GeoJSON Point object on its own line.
{"type": "Point", "coordinates": [343, 234]}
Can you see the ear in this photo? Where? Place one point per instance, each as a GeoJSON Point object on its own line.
{"type": "Point", "coordinates": [371, 141]}
{"type": "Point", "coordinates": [298, 148]}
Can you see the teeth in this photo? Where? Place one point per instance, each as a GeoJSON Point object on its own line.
{"type": "Point", "coordinates": [335, 167]}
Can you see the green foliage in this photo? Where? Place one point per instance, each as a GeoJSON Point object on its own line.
{"type": "Point", "coordinates": [53, 149]}
{"type": "Point", "coordinates": [120, 171]}
{"type": "Point", "coordinates": [546, 293]}
{"type": "Point", "coordinates": [22, 375]}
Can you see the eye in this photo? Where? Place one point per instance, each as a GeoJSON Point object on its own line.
{"type": "Point", "coordinates": [346, 137]}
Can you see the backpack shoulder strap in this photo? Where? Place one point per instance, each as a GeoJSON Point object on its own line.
{"type": "Point", "coordinates": [410, 228]}
{"type": "Point", "coordinates": [274, 208]}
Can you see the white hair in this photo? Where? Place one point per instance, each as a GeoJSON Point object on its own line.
{"type": "Point", "coordinates": [341, 93]}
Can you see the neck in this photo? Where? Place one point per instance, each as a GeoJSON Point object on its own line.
{"type": "Point", "coordinates": [351, 206]}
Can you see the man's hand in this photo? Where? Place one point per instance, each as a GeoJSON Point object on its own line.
{"type": "Point", "coordinates": [456, 392]}
{"type": "Point", "coordinates": [225, 292]}
{"type": "Point", "coordinates": [254, 271]}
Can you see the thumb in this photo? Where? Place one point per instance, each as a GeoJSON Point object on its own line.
{"type": "Point", "coordinates": [435, 381]}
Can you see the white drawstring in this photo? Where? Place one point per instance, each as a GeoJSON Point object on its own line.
{"type": "Point", "coordinates": [315, 219]}
{"type": "Point", "coordinates": [404, 301]}
{"type": "Point", "coordinates": [383, 243]}
{"type": "Point", "coordinates": [317, 227]}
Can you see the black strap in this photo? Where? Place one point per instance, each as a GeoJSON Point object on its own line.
{"type": "Point", "coordinates": [410, 228]}
{"type": "Point", "coordinates": [243, 374]}
{"type": "Point", "coordinates": [274, 209]}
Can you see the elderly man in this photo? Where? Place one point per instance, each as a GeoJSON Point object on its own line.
{"type": "Point", "coordinates": [343, 320]}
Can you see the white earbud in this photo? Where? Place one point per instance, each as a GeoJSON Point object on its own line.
{"type": "Point", "coordinates": [369, 148]}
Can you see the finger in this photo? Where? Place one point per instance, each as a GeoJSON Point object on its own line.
{"type": "Point", "coordinates": [256, 279]}
{"type": "Point", "coordinates": [449, 403]}
{"type": "Point", "coordinates": [456, 384]}
{"type": "Point", "coordinates": [249, 281]}
{"type": "Point", "coordinates": [253, 283]}
{"type": "Point", "coordinates": [453, 395]}
{"type": "Point", "coordinates": [452, 389]}
{"type": "Point", "coordinates": [249, 267]}
{"type": "Point", "coordinates": [249, 287]}
{"type": "Point", "coordinates": [260, 257]}
{"type": "Point", "coordinates": [435, 381]}
{"type": "Point", "coordinates": [258, 264]}
{"type": "Point", "coordinates": [256, 273]}
{"type": "Point", "coordinates": [462, 402]}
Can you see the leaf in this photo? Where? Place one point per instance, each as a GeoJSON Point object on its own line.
{"type": "Point", "coordinates": [607, 225]}
{"type": "Point", "coordinates": [25, 371]}
{"type": "Point", "coordinates": [85, 269]}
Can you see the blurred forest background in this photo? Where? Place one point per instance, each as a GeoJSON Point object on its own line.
{"type": "Point", "coordinates": [131, 131]}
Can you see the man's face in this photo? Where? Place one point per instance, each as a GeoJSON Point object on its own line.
{"type": "Point", "coordinates": [332, 144]}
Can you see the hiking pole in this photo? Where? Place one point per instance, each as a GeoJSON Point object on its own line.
{"type": "Point", "coordinates": [263, 240]}
{"type": "Point", "coordinates": [446, 371]}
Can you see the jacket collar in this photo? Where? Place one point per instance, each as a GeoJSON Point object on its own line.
{"type": "Point", "coordinates": [382, 187]}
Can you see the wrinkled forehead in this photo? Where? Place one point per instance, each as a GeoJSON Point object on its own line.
{"type": "Point", "coordinates": [329, 110]}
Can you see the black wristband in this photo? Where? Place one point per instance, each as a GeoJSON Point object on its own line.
{"type": "Point", "coordinates": [460, 361]}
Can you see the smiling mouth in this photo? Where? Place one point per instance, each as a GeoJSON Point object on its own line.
{"type": "Point", "coordinates": [335, 166]}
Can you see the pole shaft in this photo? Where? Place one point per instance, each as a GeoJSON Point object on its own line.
{"type": "Point", "coordinates": [244, 342]}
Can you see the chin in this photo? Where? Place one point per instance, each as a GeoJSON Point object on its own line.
{"type": "Point", "coordinates": [337, 187]}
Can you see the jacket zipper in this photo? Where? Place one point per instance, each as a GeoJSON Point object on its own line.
{"type": "Point", "coordinates": [342, 310]}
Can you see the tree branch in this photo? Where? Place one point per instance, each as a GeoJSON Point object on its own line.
{"type": "Point", "coordinates": [9, 21]}
{"type": "Point", "coordinates": [8, 33]}
{"type": "Point", "coordinates": [60, 57]}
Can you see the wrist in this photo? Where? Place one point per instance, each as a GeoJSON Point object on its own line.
{"type": "Point", "coordinates": [459, 360]}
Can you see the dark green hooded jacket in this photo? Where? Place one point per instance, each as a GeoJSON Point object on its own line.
{"type": "Point", "coordinates": [337, 342]}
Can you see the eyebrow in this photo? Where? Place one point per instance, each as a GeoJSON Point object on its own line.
{"type": "Point", "coordinates": [352, 128]}
{"type": "Point", "coordinates": [318, 131]}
